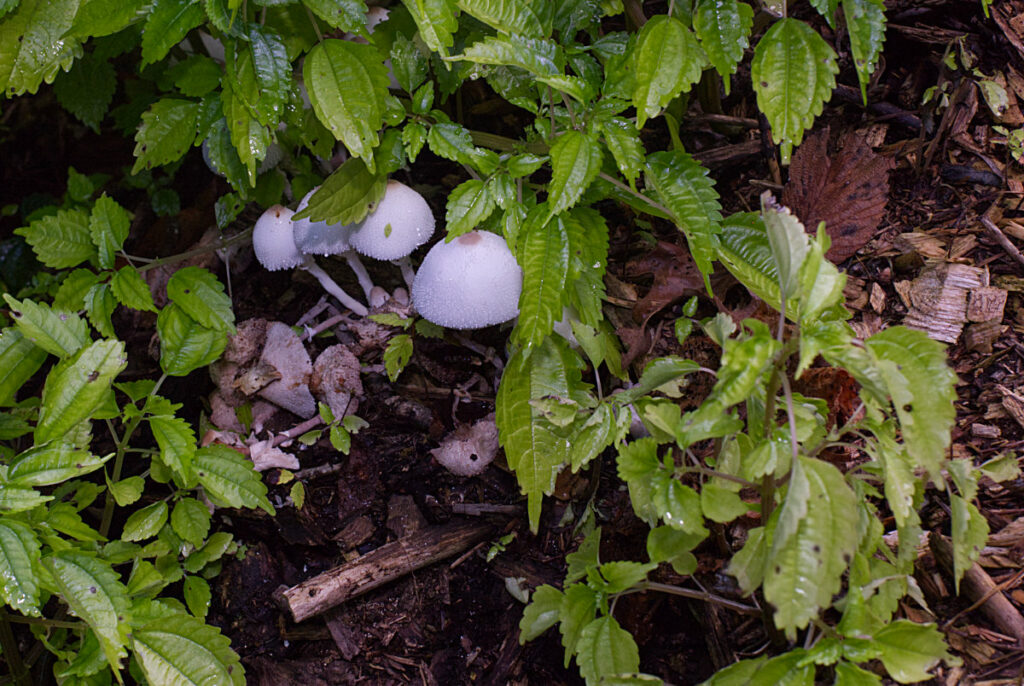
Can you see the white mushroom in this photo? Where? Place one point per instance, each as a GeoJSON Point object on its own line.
{"type": "Point", "coordinates": [321, 238]}
{"type": "Point", "coordinates": [274, 243]}
{"type": "Point", "coordinates": [471, 282]}
{"type": "Point", "coordinates": [401, 223]}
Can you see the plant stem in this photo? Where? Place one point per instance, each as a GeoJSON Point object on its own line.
{"type": "Point", "coordinates": [43, 621]}
{"type": "Point", "coordinates": [505, 144]}
{"type": "Point", "coordinates": [213, 247]}
{"type": "Point", "coordinates": [695, 595]}
{"type": "Point", "coordinates": [618, 184]}
{"type": "Point", "coordinates": [9, 646]}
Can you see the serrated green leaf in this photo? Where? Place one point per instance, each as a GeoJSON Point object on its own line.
{"type": "Point", "coordinates": [201, 295]}
{"type": "Point", "coordinates": [588, 257]}
{"type": "Point", "coordinates": [545, 261]}
{"type": "Point", "coordinates": [397, 355]}
{"type": "Point", "coordinates": [865, 24]}
{"type": "Point", "coordinates": [167, 131]}
{"type": "Point", "coordinates": [61, 240]}
{"type": "Point", "coordinates": [720, 504]}
{"type": "Point", "coordinates": [14, 499]}
{"type": "Point", "coordinates": [230, 479]}
{"type": "Point", "coordinates": [145, 523]}
{"type": "Point", "coordinates": [249, 138]}
{"type": "Point", "coordinates": [19, 553]}
{"type": "Point", "coordinates": [346, 83]}
{"type": "Point", "coordinates": [578, 608]}
{"type": "Point", "coordinates": [910, 650]}
{"type": "Point", "coordinates": [788, 243]}
{"type": "Point", "coordinates": [453, 142]}
{"type": "Point", "coordinates": [346, 196]}
{"type": "Point", "coordinates": [814, 538]}
{"type": "Point", "coordinates": [593, 437]}
{"type": "Point", "coordinates": [185, 344]}
{"type": "Point", "coordinates": [52, 463]}
{"type": "Point", "coordinates": [191, 520]}
{"type": "Point", "coordinates": [623, 141]}
{"type": "Point", "coordinates": [507, 16]}
{"type": "Point", "coordinates": [260, 73]}
{"type": "Point", "coordinates": [469, 204]}
{"type": "Point", "coordinates": [537, 56]}
{"type": "Point", "coordinates": [215, 547]}
{"type": "Point", "coordinates": [131, 290]}
{"type": "Point", "coordinates": [167, 24]}
{"type": "Point", "coordinates": [13, 426]}
{"type": "Point", "coordinates": [410, 68]}
{"type": "Point", "coordinates": [665, 544]}
{"type": "Point", "coordinates": [197, 594]}
{"type": "Point", "coordinates": [196, 75]}
{"type": "Point", "coordinates": [794, 71]}
{"type": "Point", "coordinates": [914, 370]}
{"type": "Point", "coordinates": [34, 44]}
{"type": "Point", "coordinates": [848, 674]}
{"type": "Point", "coordinates": [744, 250]}
{"type": "Point", "coordinates": [99, 307]}
{"type": "Point", "coordinates": [87, 90]}
{"type": "Point", "coordinates": [618, 575]}
{"type": "Point", "coordinates": [108, 227]}
{"type": "Point", "coordinates": [685, 189]}
{"type": "Point", "coordinates": [177, 443]}
{"type": "Point", "coordinates": [97, 18]}
{"type": "Point", "coordinates": [541, 614]}
{"type": "Point", "coordinates": [436, 22]}
{"type": "Point", "coordinates": [77, 386]}
{"type": "Point", "coordinates": [575, 162]}
{"type": "Point", "coordinates": [127, 491]}
{"type": "Point", "coordinates": [606, 649]}
{"type": "Point", "coordinates": [58, 333]}
{"type": "Point", "coordinates": [535, 449]}
{"type": "Point", "coordinates": [666, 60]}
{"type": "Point", "coordinates": [970, 534]}
{"type": "Point", "coordinates": [220, 151]}
{"type": "Point", "coordinates": [723, 27]}
{"type": "Point", "coordinates": [347, 15]}
{"type": "Point", "coordinates": [180, 649]}
{"type": "Point", "coordinates": [92, 589]}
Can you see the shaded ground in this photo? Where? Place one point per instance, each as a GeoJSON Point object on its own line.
{"type": "Point", "coordinates": [455, 622]}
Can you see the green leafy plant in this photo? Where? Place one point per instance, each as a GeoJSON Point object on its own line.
{"type": "Point", "coordinates": [267, 90]}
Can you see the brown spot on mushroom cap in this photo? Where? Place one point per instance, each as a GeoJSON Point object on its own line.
{"type": "Point", "coordinates": [471, 238]}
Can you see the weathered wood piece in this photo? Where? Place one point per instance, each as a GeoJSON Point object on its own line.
{"type": "Point", "coordinates": [387, 563]}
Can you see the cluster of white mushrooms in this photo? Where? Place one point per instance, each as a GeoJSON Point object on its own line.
{"type": "Point", "coordinates": [469, 282]}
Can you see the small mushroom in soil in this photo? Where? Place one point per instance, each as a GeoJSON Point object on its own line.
{"type": "Point", "coordinates": [401, 223]}
{"type": "Point", "coordinates": [469, 283]}
{"type": "Point", "coordinates": [273, 240]}
{"type": "Point", "coordinates": [470, 448]}
{"type": "Point", "coordinates": [321, 238]}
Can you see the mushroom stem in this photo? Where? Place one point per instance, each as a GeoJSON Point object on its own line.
{"type": "Point", "coordinates": [356, 265]}
{"type": "Point", "coordinates": [407, 272]}
{"type": "Point", "coordinates": [333, 288]}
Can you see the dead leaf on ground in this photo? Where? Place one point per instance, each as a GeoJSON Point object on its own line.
{"type": "Point", "coordinates": [675, 276]}
{"type": "Point", "coordinates": [847, 190]}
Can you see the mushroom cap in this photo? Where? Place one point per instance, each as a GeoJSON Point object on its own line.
{"type": "Point", "coordinates": [320, 238]}
{"type": "Point", "coordinates": [401, 223]}
{"type": "Point", "coordinates": [274, 242]}
{"type": "Point", "coordinates": [471, 282]}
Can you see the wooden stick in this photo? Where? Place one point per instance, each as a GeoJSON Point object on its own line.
{"type": "Point", "coordinates": [1002, 240]}
{"type": "Point", "coordinates": [978, 587]}
{"type": "Point", "coordinates": [385, 564]}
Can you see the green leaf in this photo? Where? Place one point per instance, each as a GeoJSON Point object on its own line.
{"type": "Point", "coordinates": [61, 240]}
{"type": "Point", "coordinates": [347, 83]}
{"type": "Point", "coordinates": [249, 138]}
{"type": "Point", "coordinates": [77, 386]}
{"type": "Point", "coordinates": [180, 649]}
{"type": "Point", "coordinates": [20, 359]}
{"type": "Point", "coordinates": [52, 463]}
{"type": "Point", "coordinates": [606, 649]}
{"type": "Point", "coordinates": [623, 141]}
{"type": "Point", "coordinates": [794, 71]}
{"type": "Point", "coordinates": [167, 131]}
{"type": "Point", "coordinates": [167, 25]}
{"type": "Point", "coordinates": [453, 142]}
{"type": "Point", "coordinates": [813, 540]}
{"type": "Point", "coordinates": [131, 290]}
{"type": "Point", "coordinates": [541, 614]}
{"type": "Point", "coordinates": [507, 16]}
{"type": "Point", "coordinates": [196, 75]}
{"type": "Point", "coordinates": [197, 594]}
{"type": "Point", "coordinates": [865, 24]}
{"type": "Point", "coordinates": [545, 261]}
{"type": "Point", "coordinates": [87, 90]}
{"type": "Point", "coordinates": [535, 55]}
{"type": "Point", "coordinates": [667, 60]}
{"type": "Point", "coordinates": [410, 67]}
{"type": "Point", "coordinates": [578, 608]}
{"type": "Point", "coordinates": [33, 44]}
{"type": "Point", "coordinates": [469, 204]}
{"type": "Point", "coordinates": [19, 554]}
{"type": "Point", "coordinates": [211, 552]}
{"type": "Point", "coordinates": [665, 544]}
{"type": "Point", "coordinates": [99, 307]}
{"type": "Point", "coordinates": [58, 333]}
{"type": "Point", "coordinates": [346, 196]}
{"type": "Point", "coordinates": [347, 15]}
{"type": "Point", "coordinates": [910, 650]}
{"type": "Point", "coordinates": [397, 355]}
{"type": "Point", "coordinates": [14, 499]}
{"type": "Point", "coordinates": [127, 491]}
{"type": "Point", "coordinates": [145, 523]}
{"type": "Point", "coordinates": [177, 443]}
{"type": "Point", "coordinates": [685, 189]}
{"type": "Point", "coordinates": [922, 387]}
{"type": "Point", "coordinates": [970, 534]}
{"type": "Point", "coordinates": [201, 296]}
{"type": "Point", "coordinates": [788, 243]}
{"type": "Point", "coordinates": [575, 162]}
{"type": "Point", "coordinates": [230, 479]}
{"type": "Point", "coordinates": [103, 17]}
{"type": "Point", "coordinates": [723, 27]}
{"type": "Point", "coordinates": [534, 448]}
{"type": "Point", "coordinates": [436, 21]}
{"type": "Point", "coordinates": [191, 520]}
{"type": "Point", "coordinates": [92, 590]}
{"type": "Point", "coordinates": [617, 576]}
{"type": "Point", "coordinates": [720, 504]}
{"type": "Point", "coordinates": [260, 73]}
{"type": "Point", "coordinates": [851, 675]}
{"type": "Point", "coordinates": [185, 344]}
{"type": "Point", "coordinates": [108, 226]}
